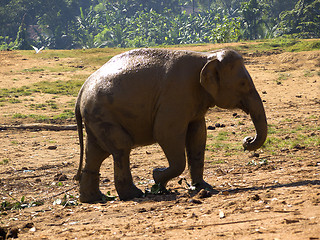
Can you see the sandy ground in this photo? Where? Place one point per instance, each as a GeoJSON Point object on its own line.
{"type": "Point", "coordinates": [272, 194]}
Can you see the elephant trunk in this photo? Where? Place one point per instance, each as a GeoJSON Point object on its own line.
{"type": "Point", "coordinates": [255, 107]}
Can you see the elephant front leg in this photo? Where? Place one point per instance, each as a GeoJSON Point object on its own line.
{"type": "Point", "coordinates": [123, 178]}
{"type": "Point", "coordinates": [195, 146]}
{"type": "Point", "coordinates": [174, 150]}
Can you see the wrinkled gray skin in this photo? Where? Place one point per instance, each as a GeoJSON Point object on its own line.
{"type": "Point", "coordinates": [146, 96]}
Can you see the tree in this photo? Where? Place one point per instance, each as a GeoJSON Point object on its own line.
{"type": "Point", "coordinates": [252, 13]}
{"type": "Point", "coordinates": [303, 20]}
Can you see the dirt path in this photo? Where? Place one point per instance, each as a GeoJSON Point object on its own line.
{"type": "Point", "coordinates": [273, 194]}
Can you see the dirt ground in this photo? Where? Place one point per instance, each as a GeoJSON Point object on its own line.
{"type": "Point", "coordinates": [273, 193]}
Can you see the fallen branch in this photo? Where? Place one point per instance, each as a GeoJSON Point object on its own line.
{"type": "Point", "coordinates": [39, 126]}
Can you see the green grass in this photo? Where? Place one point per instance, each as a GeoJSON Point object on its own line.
{"type": "Point", "coordinates": [298, 135]}
{"type": "Point", "coordinates": [280, 44]}
{"type": "Point", "coordinates": [221, 142]}
{"type": "Point", "coordinates": [95, 56]}
{"type": "Point", "coordinates": [33, 69]}
{"type": "Point", "coordinates": [4, 161]}
{"type": "Point", "coordinates": [69, 88]}
{"type": "Point", "coordinates": [38, 118]}
{"type": "Point", "coordinates": [66, 114]}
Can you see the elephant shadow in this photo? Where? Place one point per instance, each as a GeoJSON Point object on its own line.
{"type": "Point", "coordinates": [192, 195]}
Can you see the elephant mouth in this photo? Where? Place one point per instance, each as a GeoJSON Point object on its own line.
{"type": "Point", "coordinates": [243, 107]}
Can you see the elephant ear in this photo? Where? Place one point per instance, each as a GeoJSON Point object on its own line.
{"type": "Point", "coordinates": [209, 77]}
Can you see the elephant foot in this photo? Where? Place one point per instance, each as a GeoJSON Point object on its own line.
{"type": "Point", "coordinates": [158, 176]}
{"type": "Point", "coordinates": [89, 187]}
{"type": "Point", "coordinates": [206, 186]}
{"type": "Point", "coordinates": [92, 197]}
{"type": "Point", "coordinates": [128, 193]}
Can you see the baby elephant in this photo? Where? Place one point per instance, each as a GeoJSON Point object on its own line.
{"type": "Point", "coordinates": [148, 96]}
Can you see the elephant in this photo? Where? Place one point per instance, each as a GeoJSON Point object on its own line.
{"type": "Point", "coordinates": [145, 96]}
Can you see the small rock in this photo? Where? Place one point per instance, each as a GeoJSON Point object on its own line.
{"type": "Point", "coordinates": [28, 225]}
{"type": "Point", "coordinates": [264, 92]}
{"type": "Point", "coordinates": [221, 214]}
{"type": "Point", "coordinates": [255, 155]}
{"type": "Point", "coordinates": [52, 147]}
{"type": "Point", "coordinates": [204, 194]}
{"type": "Point", "coordinates": [142, 210]}
{"type": "Point", "coordinates": [284, 150]}
{"type": "Point", "coordinates": [235, 114]}
{"type": "Point", "coordinates": [255, 197]}
{"type": "Point", "coordinates": [299, 147]}
{"type": "Point", "coordinates": [106, 180]}
{"type": "Point", "coordinates": [196, 201]}
{"type": "Point", "coordinates": [211, 128]}
{"type": "Point", "coordinates": [289, 221]}
{"type": "Point", "coordinates": [60, 177]}
{"type": "Point", "coordinates": [218, 125]}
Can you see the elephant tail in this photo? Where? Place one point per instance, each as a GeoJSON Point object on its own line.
{"type": "Point", "coordinates": [78, 116]}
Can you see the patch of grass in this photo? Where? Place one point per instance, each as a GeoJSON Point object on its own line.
{"type": "Point", "coordinates": [14, 100]}
{"type": "Point", "coordinates": [33, 69]}
{"type": "Point", "coordinates": [94, 56]}
{"type": "Point", "coordinates": [67, 114]}
{"type": "Point", "coordinates": [282, 44]}
{"type": "Point", "coordinates": [38, 118]}
{"type": "Point", "coordinates": [5, 161]}
{"type": "Point", "coordinates": [308, 74]}
{"type": "Point", "coordinates": [38, 106]}
{"type": "Point", "coordinates": [19, 116]}
{"type": "Point", "coordinates": [283, 76]}
{"type": "Point", "coordinates": [70, 87]}
{"type": "Point", "coordinates": [222, 136]}
{"type": "Point", "coordinates": [216, 162]}
{"type": "Point", "coordinates": [298, 136]}
{"type": "Point", "coordinates": [17, 204]}
{"type": "Point", "coordinates": [52, 104]}
{"type": "Point", "coordinates": [15, 92]}
{"type": "Point", "coordinates": [67, 200]}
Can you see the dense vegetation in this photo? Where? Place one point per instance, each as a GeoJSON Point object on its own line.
{"type": "Point", "coordinates": [65, 24]}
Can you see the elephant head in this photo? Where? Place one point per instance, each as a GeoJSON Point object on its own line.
{"type": "Point", "coordinates": [229, 84]}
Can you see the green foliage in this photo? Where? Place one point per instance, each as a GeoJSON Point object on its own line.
{"type": "Point", "coordinates": [302, 21]}
{"type": "Point", "coordinates": [17, 204]}
{"type": "Point", "coordinates": [123, 23]}
{"type": "Point", "coordinates": [67, 200]}
{"type": "Point", "coordinates": [21, 41]}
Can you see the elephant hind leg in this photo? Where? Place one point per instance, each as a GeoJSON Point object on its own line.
{"type": "Point", "coordinates": [123, 178]}
{"type": "Point", "coordinates": [118, 142]}
{"type": "Point", "coordinates": [89, 182]}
